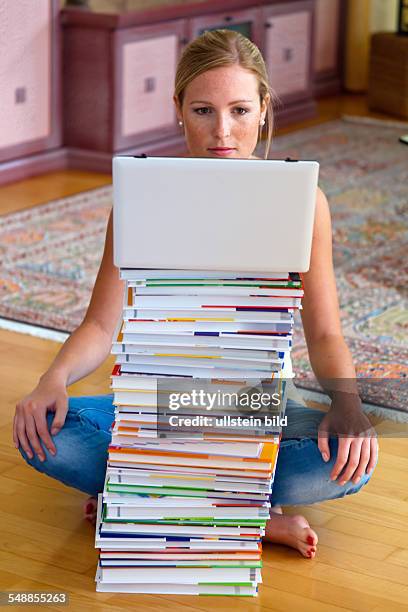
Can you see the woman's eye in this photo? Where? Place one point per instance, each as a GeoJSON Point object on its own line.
{"type": "Point", "coordinates": [202, 111]}
{"type": "Point", "coordinates": [241, 110]}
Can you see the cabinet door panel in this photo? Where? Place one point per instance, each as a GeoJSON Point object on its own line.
{"type": "Point", "coordinates": [326, 39]}
{"type": "Point", "coordinates": [145, 62]}
{"type": "Point", "coordinates": [149, 68]}
{"type": "Point", "coordinates": [287, 52]}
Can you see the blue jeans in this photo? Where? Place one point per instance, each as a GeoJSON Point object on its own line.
{"type": "Point", "coordinates": [302, 477]}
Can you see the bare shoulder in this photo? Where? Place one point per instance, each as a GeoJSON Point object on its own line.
{"type": "Point", "coordinates": [322, 222]}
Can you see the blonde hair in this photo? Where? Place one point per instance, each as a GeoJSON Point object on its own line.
{"type": "Point", "coordinates": [216, 48]}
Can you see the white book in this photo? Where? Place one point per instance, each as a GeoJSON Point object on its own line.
{"type": "Point", "coordinates": [188, 290]}
{"type": "Point", "coordinates": [200, 361]}
{"type": "Point", "coordinates": [153, 273]}
{"type": "Point", "coordinates": [240, 450]}
{"type": "Point", "coordinates": [169, 502]}
{"type": "Point", "coordinates": [191, 301]}
{"type": "Point", "coordinates": [197, 372]}
{"type": "Point", "coordinates": [221, 340]}
{"type": "Point", "coordinates": [209, 314]}
{"type": "Point", "coordinates": [206, 352]}
{"type": "Point", "coordinates": [115, 454]}
{"type": "Point", "coordinates": [191, 512]}
{"type": "Point", "coordinates": [185, 557]}
{"type": "Point", "coordinates": [180, 575]}
{"type": "Point", "coordinates": [186, 494]}
{"type": "Point", "coordinates": [202, 282]}
{"type": "Point", "coordinates": [124, 463]}
{"type": "Point", "coordinates": [187, 530]}
{"type": "Point", "coordinates": [159, 563]}
{"type": "Point", "coordinates": [137, 382]}
{"type": "Point", "coordinates": [181, 327]}
{"type": "Point", "coordinates": [135, 397]}
{"type": "Point", "coordinates": [161, 545]}
{"type": "Point", "coordinates": [177, 589]}
{"type": "Point", "coordinates": [213, 483]}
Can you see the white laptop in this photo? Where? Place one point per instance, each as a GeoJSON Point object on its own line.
{"type": "Point", "coordinates": [213, 214]}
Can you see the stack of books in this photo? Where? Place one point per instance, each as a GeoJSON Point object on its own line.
{"type": "Point", "coordinates": [191, 465]}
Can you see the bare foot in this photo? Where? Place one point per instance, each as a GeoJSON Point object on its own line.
{"type": "Point", "coordinates": [292, 531]}
{"type": "Point", "coordinates": [90, 509]}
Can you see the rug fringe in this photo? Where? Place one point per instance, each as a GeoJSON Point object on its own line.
{"type": "Point", "coordinates": [375, 121]}
{"type": "Point", "coordinates": [33, 330]}
{"type": "Point", "coordinates": [382, 412]}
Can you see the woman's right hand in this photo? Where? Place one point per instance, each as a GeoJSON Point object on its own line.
{"type": "Point", "coordinates": [30, 422]}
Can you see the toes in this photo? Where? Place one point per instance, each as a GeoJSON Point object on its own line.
{"type": "Point", "coordinates": [309, 553]}
{"type": "Point", "coordinates": [90, 505]}
{"type": "Point", "coordinates": [309, 537]}
{"type": "Point", "coordinates": [91, 518]}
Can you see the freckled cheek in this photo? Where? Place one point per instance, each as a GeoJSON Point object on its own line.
{"type": "Point", "coordinates": [197, 133]}
{"type": "Point", "coordinates": [247, 127]}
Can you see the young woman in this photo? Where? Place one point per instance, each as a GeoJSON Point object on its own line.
{"type": "Point", "coordinates": [222, 100]}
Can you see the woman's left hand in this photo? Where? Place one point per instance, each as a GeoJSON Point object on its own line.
{"type": "Point", "coordinates": [357, 448]}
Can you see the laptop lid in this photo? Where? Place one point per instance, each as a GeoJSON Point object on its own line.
{"type": "Point", "coordinates": [213, 214]}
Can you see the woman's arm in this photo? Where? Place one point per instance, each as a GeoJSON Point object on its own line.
{"type": "Point", "coordinates": [331, 359]}
{"type": "Point", "coordinates": [83, 352]}
{"type": "Point", "coordinates": [329, 355]}
{"type": "Point", "coordinates": [90, 344]}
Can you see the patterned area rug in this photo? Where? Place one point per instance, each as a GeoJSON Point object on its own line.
{"type": "Point", "coordinates": [50, 253]}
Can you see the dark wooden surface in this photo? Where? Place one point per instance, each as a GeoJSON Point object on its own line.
{"type": "Point", "coordinates": [388, 80]}
{"type": "Point", "coordinates": [330, 82]}
{"type": "Point", "coordinates": [160, 12]}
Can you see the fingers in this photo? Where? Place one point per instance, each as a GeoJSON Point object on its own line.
{"type": "Point", "coordinates": [323, 445]}
{"type": "Point", "coordinates": [342, 457]}
{"type": "Point", "coordinates": [42, 429]}
{"type": "Point", "coordinates": [364, 459]}
{"type": "Point", "coordinates": [61, 407]}
{"type": "Point", "coordinates": [21, 435]}
{"type": "Point", "coordinates": [15, 436]}
{"type": "Point", "coordinates": [29, 426]}
{"type": "Point", "coordinates": [356, 456]}
{"type": "Point", "coordinates": [373, 455]}
{"type": "Point", "coordinates": [353, 460]}
{"type": "Point", "coordinates": [33, 437]}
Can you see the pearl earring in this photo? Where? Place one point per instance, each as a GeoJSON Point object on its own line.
{"type": "Point", "coordinates": [180, 123]}
{"type": "Point", "coordinates": [262, 122]}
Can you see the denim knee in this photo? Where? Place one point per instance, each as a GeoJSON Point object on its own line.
{"type": "Point", "coordinates": [302, 477]}
{"type": "Point", "coordinates": [81, 457]}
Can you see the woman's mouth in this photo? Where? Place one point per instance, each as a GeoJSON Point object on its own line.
{"type": "Point", "coordinates": [221, 151]}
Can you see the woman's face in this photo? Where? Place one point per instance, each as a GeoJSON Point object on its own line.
{"type": "Point", "coordinates": [221, 113]}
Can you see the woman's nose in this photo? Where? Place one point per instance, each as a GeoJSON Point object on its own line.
{"type": "Point", "coordinates": [222, 126]}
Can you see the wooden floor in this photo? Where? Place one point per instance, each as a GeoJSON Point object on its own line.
{"type": "Point", "coordinates": [362, 560]}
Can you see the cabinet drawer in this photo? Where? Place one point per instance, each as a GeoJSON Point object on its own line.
{"type": "Point", "coordinates": [287, 52]}
{"type": "Point", "coordinates": [146, 67]}
{"type": "Point", "coordinates": [245, 22]}
{"type": "Point", "coordinates": [149, 68]}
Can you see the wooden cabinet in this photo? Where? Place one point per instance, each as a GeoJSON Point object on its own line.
{"type": "Point", "coordinates": [328, 42]}
{"type": "Point", "coordinates": [119, 70]}
{"type": "Point", "coordinates": [119, 88]}
{"type": "Point", "coordinates": [287, 48]}
{"type": "Point", "coordinates": [30, 114]}
{"type": "Point", "coordinates": [245, 21]}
